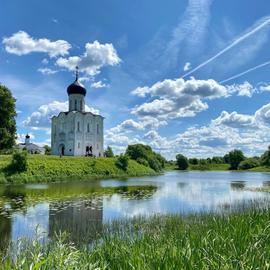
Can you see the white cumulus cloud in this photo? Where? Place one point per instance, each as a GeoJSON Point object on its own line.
{"type": "Point", "coordinates": [178, 98]}
{"type": "Point", "coordinates": [41, 119]}
{"type": "Point", "coordinates": [22, 43]}
{"type": "Point", "coordinates": [187, 66]}
{"type": "Point", "coordinates": [95, 57]}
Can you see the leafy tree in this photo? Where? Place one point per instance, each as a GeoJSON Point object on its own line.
{"type": "Point", "coordinates": [154, 163]}
{"type": "Point", "coordinates": [109, 152]}
{"type": "Point", "coordinates": [122, 162]}
{"type": "Point", "coordinates": [265, 158]}
{"type": "Point", "coordinates": [7, 119]}
{"type": "Point", "coordinates": [143, 162]}
{"type": "Point", "coordinates": [217, 160]}
{"type": "Point", "coordinates": [48, 150]}
{"type": "Point", "coordinates": [235, 157]}
{"type": "Point", "coordinates": [248, 163]}
{"type": "Point", "coordinates": [181, 162]}
{"type": "Point", "coordinates": [193, 161]}
{"type": "Point", "coordinates": [145, 152]}
{"type": "Point", "coordinates": [18, 162]}
{"type": "Point", "coordinates": [202, 161]}
{"type": "Point", "coordinates": [226, 159]}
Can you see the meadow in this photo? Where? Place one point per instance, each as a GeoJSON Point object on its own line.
{"type": "Point", "coordinates": [42, 168]}
{"type": "Point", "coordinates": [235, 240]}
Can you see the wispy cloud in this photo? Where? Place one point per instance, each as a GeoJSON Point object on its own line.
{"type": "Point", "coordinates": [263, 23]}
{"type": "Point", "coordinates": [190, 32]}
{"type": "Point", "coordinates": [245, 72]}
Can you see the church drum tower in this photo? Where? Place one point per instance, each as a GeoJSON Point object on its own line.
{"type": "Point", "coordinates": [77, 132]}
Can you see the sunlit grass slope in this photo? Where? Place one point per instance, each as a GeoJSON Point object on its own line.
{"type": "Point", "coordinates": [43, 168]}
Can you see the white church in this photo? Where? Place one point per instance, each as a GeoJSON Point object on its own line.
{"type": "Point", "coordinates": [77, 132]}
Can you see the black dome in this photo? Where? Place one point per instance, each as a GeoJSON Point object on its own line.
{"type": "Point", "coordinates": [76, 88]}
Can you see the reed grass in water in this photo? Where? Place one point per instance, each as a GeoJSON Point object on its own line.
{"type": "Point", "coordinates": [240, 240]}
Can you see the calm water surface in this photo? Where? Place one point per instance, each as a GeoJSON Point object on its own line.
{"type": "Point", "coordinates": [81, 207]}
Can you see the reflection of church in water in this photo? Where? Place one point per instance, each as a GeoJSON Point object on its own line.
{"type": "Point", "coordinates": [77, 132]}
{"type": "Point", "coordinates": [81, 220]}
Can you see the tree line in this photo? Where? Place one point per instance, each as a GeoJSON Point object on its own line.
{"type": "Point", "coordinates": [235, 159]}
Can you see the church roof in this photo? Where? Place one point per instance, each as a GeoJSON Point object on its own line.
{"type": "Point", "coordinates": [76, 87]}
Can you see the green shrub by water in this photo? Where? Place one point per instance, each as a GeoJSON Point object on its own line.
{"type": "Point", "coordinates": [235, 241]}
{"type": "Point", "coordinates": [42, 168]}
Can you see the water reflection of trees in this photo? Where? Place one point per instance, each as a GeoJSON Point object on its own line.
{"type": "Point", "coordinates": [5, 232]}
{"type": "Point", "coordinates": [81, 220]}
{"type": "Point", "coordinates": [136, 192]}
{"type": "Point", "coordinates": [238, 185]}
{"type": "Point", "coordinates": [266, 184]}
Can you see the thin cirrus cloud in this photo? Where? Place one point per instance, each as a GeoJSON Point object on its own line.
{"type": "Point", "coordinates": [21, 43]}
{"type": "Point", "coordinates": [238, 75]}
{"type": "Point", "coordinates": [263, 23]}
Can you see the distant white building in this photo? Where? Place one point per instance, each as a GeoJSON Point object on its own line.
{"type": "Point", "coordinates": [31, 148]}
{"type": "Point", "coordinates": [76, 132]}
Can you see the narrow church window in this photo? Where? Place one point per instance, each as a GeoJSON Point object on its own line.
{"type": "Point", "coordinates": [97, 146]}
{"type": "Point", "coordinates": [97, 129]}
{"type": "Point", "coordinates": [88, 127]}
{"type": "Point", "coordinates": [81, 105]}
{"type": "Point", "coordinates": [78, 126]}
{"type": "Point", "coordinates": [78, 145]}
{"type": "Point", "coordinates": [75, 104]}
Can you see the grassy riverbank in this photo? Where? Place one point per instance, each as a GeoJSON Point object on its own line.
{"type": "Point", "coordinates": [233, 241]}
{"type": "Point", "coordinates": [216, 167]}
{"type": "Point", "coordinates": [43, 168]}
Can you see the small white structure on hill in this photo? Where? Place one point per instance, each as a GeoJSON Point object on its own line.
{"type": "Point", "coordinates": [31, 148]}
{"type": "Point", "coordinates": [76, 132]}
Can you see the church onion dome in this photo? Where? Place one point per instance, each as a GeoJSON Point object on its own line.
{"type": "Point", "coordinates": [76, 87]}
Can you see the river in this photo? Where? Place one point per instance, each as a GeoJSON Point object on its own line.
{"type": "Point", "coordinates": [83, 207]}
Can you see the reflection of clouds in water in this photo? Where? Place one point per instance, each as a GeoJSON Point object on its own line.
{"type": "Point", "coordinates": [186, 195]}
{"type": "Point", "coordinates": [36, 217]}
{"type": "Point", "coordinates": [177, 192]}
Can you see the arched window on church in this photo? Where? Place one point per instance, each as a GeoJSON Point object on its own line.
{"type": "Point", "coordinates": [75, 104]}
{"type": "Point", "coordinates": [97, 129]}
{"type": "Point", "coordinates": [80, 105]}
{"type": "Point", "coordinates": [78, 126]}
{"type": "Point", "coordinates": [88, 127]}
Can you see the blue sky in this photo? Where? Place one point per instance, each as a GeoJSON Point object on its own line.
{"type": "Point", "coordinates": [162, 73]}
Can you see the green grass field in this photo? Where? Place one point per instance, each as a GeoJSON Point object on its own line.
{"type": "Point", "coordinates": [43, 168]}
{"type": "Point", "coordinates": [239, 240]}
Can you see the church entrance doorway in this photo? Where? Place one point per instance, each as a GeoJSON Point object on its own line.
{"type": "Point", "coordinates": [62, 149]}
{"type": "Point", "coordinates": [88, 151]}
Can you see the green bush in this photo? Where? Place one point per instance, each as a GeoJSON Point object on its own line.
{"type": "Point", "coordinates": [122, 162]}
{"type": "Point", "coordinates": [154, 164]}
{"type": "Point", "coordinates": [235, 157]}
{"type": "Point", "coordinates": [249, 163]}
{"type": "Point", "coordinates": [108, 152]}
{"type": "Point", "coordinates": [193, 161]}
{"type": "Point", "coordinates": [181, 162]}
{"type": "Point", "coordinates": [265, 158]}
{"type": "Point", "coordinates": [143, 162]}
{"type": "Point", "coordinates": [141, 151]}
{"type": "Point", "coordinates": [19, 162]}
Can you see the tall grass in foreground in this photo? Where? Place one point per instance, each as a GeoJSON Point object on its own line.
{"type": "Point", "coordinates": [240, 240]}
